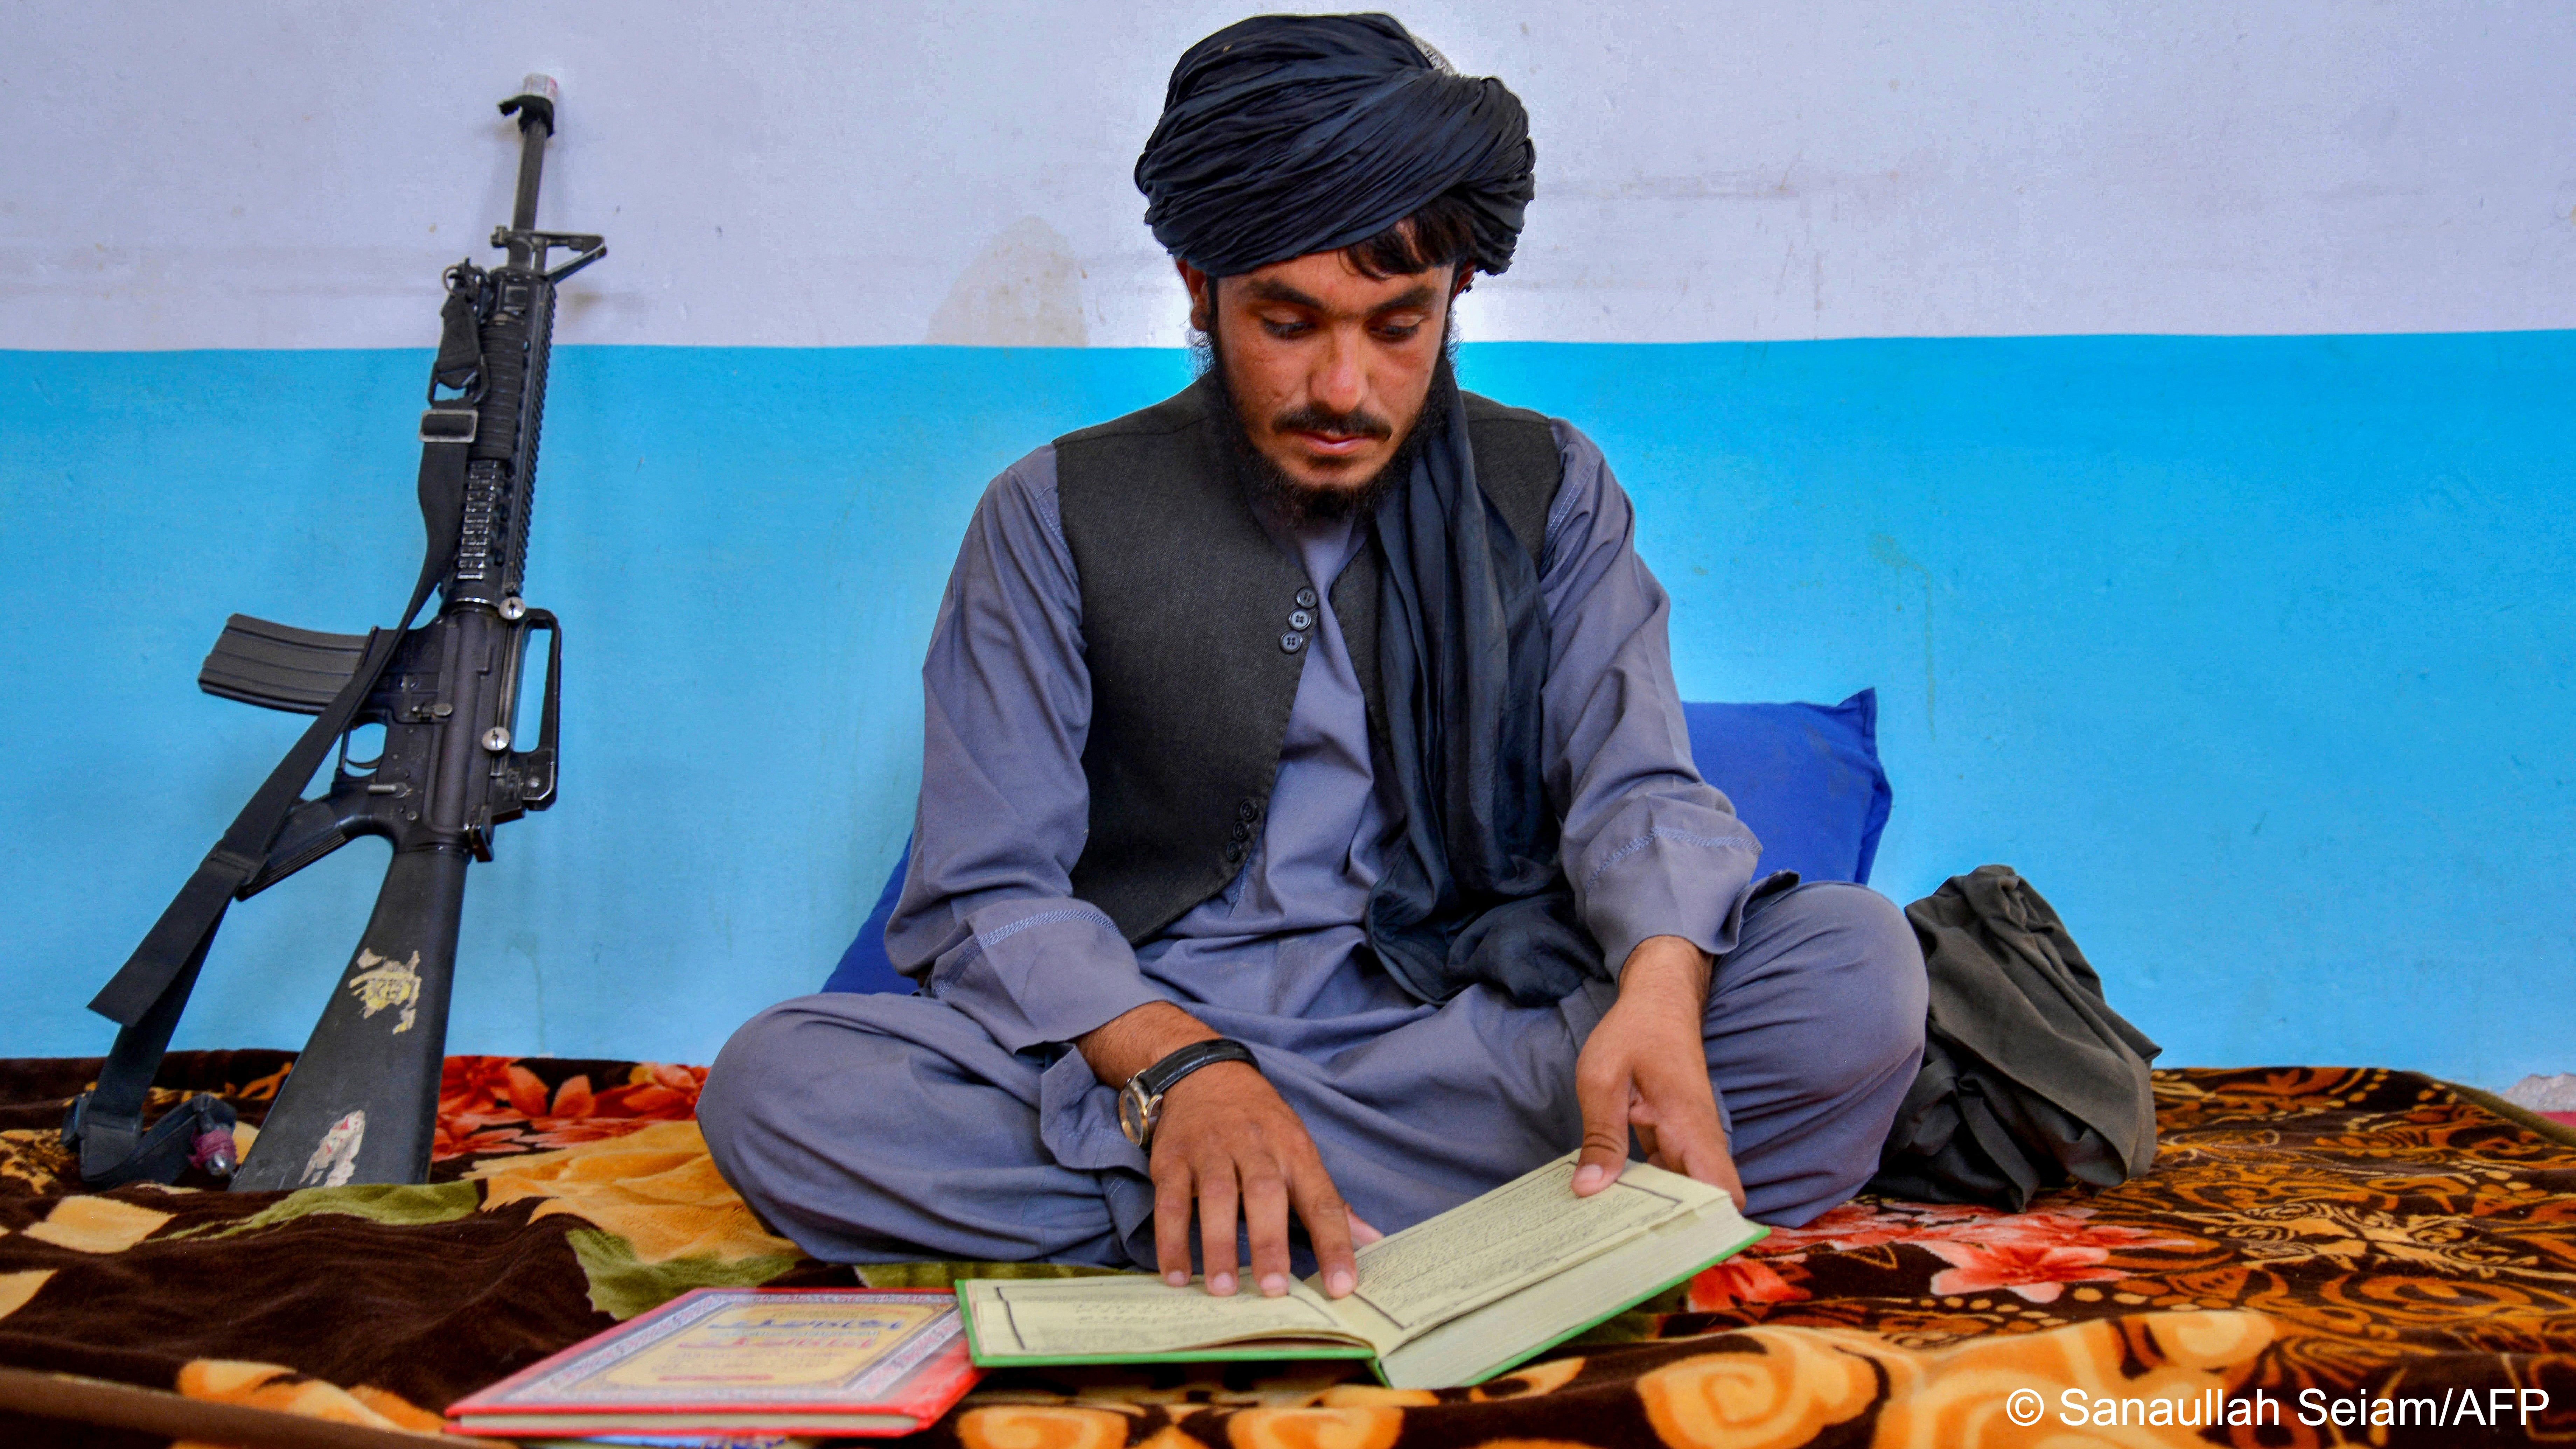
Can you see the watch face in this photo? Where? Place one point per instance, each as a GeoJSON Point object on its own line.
{"type": "Point", "coordinates": [1135, 1113]}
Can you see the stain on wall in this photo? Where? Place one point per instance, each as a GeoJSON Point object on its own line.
{"type": "Point", "coordinates": [1023, 290]}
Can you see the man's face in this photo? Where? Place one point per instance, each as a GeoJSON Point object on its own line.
{"type": "Point", "coordinates": [1329, 367]}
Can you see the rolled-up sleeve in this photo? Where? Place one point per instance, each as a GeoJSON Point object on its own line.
{"type": "Point", "coordinates": [988, 917]}
{"type": "Point", "coordinates": [1650, 848]}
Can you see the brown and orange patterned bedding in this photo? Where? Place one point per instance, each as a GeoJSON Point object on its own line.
{"type": "Point", "coordinates": [2311, 1237]}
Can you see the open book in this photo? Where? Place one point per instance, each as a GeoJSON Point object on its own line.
{"type": "Point", "coordinates": [1450, 1301]}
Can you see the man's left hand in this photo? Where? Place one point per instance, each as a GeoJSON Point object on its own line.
{"type": "Point", "coordinates": [1645, 1068]}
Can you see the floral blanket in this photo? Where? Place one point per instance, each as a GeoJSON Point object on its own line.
{"type": "Point", "coordinates": [2322, 1255]}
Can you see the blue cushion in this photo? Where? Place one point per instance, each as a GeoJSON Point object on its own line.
{"type": "Point", "coordinates": [1806, 777]}
{"type": "Point", "coordinates": [865, 967]}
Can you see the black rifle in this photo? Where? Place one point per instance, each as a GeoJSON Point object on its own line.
{"type": "Point", "coordinates": [362, 1102]}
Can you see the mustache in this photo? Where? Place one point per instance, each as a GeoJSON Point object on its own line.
{"type": "Point", "coordinates": [1308, 418]}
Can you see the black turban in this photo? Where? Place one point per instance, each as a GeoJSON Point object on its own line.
{"type": "Point", "coordinates": [1289, 134]}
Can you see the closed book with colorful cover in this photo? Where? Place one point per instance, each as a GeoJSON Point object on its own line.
{"type": "Point", "coordinates": [836, 1361]}
{"type": "Point", "coordinates": [1450, 1301]}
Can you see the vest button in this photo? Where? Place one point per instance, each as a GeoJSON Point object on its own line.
{"type": "Point", "coordinates": [1234, 853]}
{"type": "Point", "coordinates": [1291, 643]}
{"type": "Point", "coordinates": [1305, 600]}
{"type": "Point", "coordinates": [1242, 831]}
{"type": "Point", "coordinates": [1247, 812]}
{"type": "Point", "coordinates": [1301, 620]}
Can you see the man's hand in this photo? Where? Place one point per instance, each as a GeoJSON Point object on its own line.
{"type": "Point", "coordinates": [1227, 1141]}
{"type": "Point", "coordinates": [1646, 1067]}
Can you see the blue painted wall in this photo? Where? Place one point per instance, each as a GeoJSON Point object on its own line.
{"type": "Point", "coordinates": [2253, 653]}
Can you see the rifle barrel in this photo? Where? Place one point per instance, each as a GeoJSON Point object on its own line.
{"type": "Point", "coordinates": [532, 165]}
{"type": "Point", "coordinates": [535, 107]}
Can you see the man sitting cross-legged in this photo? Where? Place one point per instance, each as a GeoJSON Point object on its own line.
{"type": "Point", "coordinates": [1324, 713]}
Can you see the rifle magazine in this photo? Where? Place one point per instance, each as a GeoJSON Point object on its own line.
{"type": "Point", "coordinates": [276, 666]}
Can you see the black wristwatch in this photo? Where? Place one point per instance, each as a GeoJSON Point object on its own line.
{"type": "Point", "coordinates": [1140, 1102]}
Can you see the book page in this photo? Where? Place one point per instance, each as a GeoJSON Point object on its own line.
{"type": "Point", "coordinates": [1132, 1316]}
{"type": "Point", "coordinates": [1472, 1346]}
{"type": "Point", "coordinates": [1511, 1237]}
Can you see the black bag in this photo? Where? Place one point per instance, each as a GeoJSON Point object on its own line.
{"type": "Point", "coordinates": [2029, 1077]}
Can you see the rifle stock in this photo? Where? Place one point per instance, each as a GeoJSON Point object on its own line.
{"type": "Point", "coordinates": [361, 1104]}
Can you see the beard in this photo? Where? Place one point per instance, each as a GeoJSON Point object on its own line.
{"type": "Point", "coordinates": [1293, 501]}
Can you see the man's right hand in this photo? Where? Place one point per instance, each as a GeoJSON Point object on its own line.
{"type": "Point", "coordinates": [1230, 1144]}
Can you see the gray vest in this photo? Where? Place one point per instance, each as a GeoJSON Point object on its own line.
{"type": "Point", "coordinates": [1187, 628]}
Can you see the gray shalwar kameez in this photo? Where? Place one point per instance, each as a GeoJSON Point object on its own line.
{"type": "Point", "coordinates": [955, 1123]}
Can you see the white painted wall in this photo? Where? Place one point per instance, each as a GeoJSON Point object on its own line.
{"type": "Point", "coordinates": [293, 174]}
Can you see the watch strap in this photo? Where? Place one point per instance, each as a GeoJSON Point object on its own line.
{"type": "Point", "coordinates": [1159, 1078]}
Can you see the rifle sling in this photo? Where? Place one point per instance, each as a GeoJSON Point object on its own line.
{"type": "Point", "coordinates": [147, 994]}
